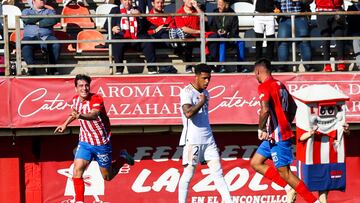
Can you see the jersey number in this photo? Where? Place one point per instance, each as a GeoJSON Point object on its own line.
{"type": "Point", "coordinates": [284, 99]}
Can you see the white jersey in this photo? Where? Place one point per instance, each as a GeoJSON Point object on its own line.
{"type": "Point", "coordinates": [196, 129]}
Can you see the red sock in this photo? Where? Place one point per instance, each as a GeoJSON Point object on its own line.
{"type": "Point", "coordinates": [304, 192]}
{"type": "Point", "coordinates": [272, 174]}
{"type": "Point", "coordinates": [79, 188]}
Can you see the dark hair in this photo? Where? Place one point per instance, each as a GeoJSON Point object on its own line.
{"type": "Point", "coordinates": [82, 77]}
{"type": "Point", "coordinates": [202, 68]}
{"type": "Point", "coordinates": [265, 63]}
{"type": "Point", "coordinates": [228, 1]}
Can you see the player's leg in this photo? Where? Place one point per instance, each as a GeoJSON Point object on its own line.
{"type": "Point", "coordinates": [190, 160]}
{"type": "Point", "coordinates": [81, 161]}
{"type": "Point", "coordinates": [211, 155]}
{"type": "Point", "coordinates": [258, 164]}
{"type": "Point", "coordinates": [108, 168]}
{"type": "Point", "coordinates": [113, 170]}
{"type": "Point", "coordinates": [323, 196]}
{"type": "Point", "coordinates": [282, 157]}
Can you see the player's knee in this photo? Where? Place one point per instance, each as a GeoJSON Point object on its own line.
{"type": "Point", "coordinates": [216, 170]}
{"type": "Point", "coordinates": [187, 174]}
{"type": "Point", "coordinates": [255, 164]}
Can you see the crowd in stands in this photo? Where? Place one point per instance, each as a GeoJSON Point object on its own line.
{"type": "Point", "coordinates": [188, 26]}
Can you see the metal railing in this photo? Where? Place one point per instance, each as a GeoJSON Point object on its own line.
{"type": "Point", "coordinates": [201, 40]}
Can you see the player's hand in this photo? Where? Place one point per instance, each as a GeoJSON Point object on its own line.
{"type": "Point", "coordinates": [74, 114]}
{"type": "Point", "coordinates": [263, 135]}
{"type": "Point", "coordinates": [60, 129]}
{"type": "Point", "coordinates": [202, 98]}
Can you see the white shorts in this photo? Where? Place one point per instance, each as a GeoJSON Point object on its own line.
{"type": "Point", "coordinates": [264, 24]}
{"type": "Point", "coordinates": [199, 153]}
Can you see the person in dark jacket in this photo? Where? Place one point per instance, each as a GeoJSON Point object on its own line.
{"type": "Point", "coordinates": [130, 28]}
{"type": "Point", "coordinates": [228, 27]}
{"type": "Point", "coordinates": [40, 29]}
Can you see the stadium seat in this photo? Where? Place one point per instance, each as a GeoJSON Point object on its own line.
{"type": "Point", "coordinates": [76, 22]}
{"type": "Point", "coordinates": [12, 37]}
{"type": "Point", "coordinates": [101, 10]}
{"type": "Point", "coordinates": [244, 7]}
{"type": "Point", "coordinates": [90, 46]}
{"type": "Point", "coordinates": [11, 11]}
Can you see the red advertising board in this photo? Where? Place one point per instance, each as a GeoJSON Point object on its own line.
{"type": "Point", "coordinates": [4, 103]}
{"type": "Point", "coordinates": [154, 177]}
{"type": "Point", "coordinates": [154, 100]}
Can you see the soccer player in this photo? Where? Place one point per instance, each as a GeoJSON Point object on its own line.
{"type": "Point", "coordinates": [197, 139]}
{"type": "Point", "coordinates": [277, 112]}
{"type": "Point", "coordinates": [94, 137]}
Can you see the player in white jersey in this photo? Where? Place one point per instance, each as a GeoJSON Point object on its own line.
{"type": "Point", "coordinates": [94, 137]}
{"type": "Point", "coordinates": [197, 139]}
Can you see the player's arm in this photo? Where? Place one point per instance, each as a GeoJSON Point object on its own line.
{"type": "Point", "coordinates": [61, 128]}
{"type": "Point", "coordinates": [190, 110]}
{"type": "Point", "coordinates": [93, 115]}
{"type": "Point", "coordinates": [264, 114]}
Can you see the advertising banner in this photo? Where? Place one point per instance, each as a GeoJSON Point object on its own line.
{"type": "Point", "coordinates": [155, 176]}
{"type": "Point", "coordinates": [153, 100]}
{"type": "Point", "coordinates": [5, 118]}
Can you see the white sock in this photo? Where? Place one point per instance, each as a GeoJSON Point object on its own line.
{"type": "Point", "coordinates": [287, 187]}
{"type": "Point", "coordinates": [220, 184]}
{"type": "Point", "coordinates": [184, 183]}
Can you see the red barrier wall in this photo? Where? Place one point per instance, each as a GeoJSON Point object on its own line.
{"type": "Point", "coordinates": [45, 165]}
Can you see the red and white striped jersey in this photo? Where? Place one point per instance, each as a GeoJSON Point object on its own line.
{"type": "Point", "coordinates": [95, 132]}
{"type": "Point", "coordinates": [321, 148]}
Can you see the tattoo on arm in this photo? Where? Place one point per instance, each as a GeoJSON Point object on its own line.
{"type": "Point", "coordinates": [264, 114]}
{"type": "Point", "coordinates": [190, 110]}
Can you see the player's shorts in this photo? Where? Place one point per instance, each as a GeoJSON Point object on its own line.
{"type": "Point", "coordinates": [264, 24]}
{"type": "Point", "coordinates": [102, 154]}
{"type": "Point", "coordinates": [199, 153]}
{"type": "Point", "coordinates": [280, 152]}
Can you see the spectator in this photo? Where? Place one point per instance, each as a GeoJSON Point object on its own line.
{"type": "Point", "coordinates": [265, 25]}
{"type": "Point", "coordinates": [331, 25]}
{"type": "Point", "coordinates": [130, 28]}
{"type": "Point", "coordinates": [228, 27]}
{"type": "Point", "coordinates": [159, 28]}
{"type": "Point", "coordinates": [190, 25]}
{"type": "Point", "coordinates": [354, 30]}
{"type": "Point", "coordinates": [40, 29]}
{"type": "Point", "coordinates": [301, 30]}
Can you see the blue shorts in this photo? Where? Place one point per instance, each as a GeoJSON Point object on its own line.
{"type": "Point", "coordinates": [102, 154]}
{"type": "Point", "coordinates": [280, 152]}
